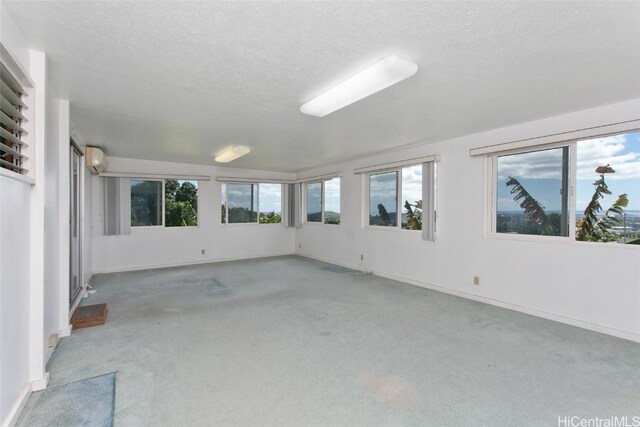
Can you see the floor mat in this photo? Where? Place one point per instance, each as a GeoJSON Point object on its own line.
{"type": "Point", "coordinates": [89, 315]}
{"type": "Point", "coordinates": [87, 402]}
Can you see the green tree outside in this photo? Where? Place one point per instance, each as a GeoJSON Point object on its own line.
{"type": "Point", "coordinates": [181, 204]}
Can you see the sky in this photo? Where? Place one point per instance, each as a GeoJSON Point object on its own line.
{"type": "Point", "coordinates": [239, 195]}
{"type": "Point", "coordinates": [382, 188]}
{"type": "Point", "coordinates": [332, 195]}
{"type": "Point", "coordinates": [540, 173]}
{"type": "Point", "coordinates": [270, 198]}
{"type": "Point", "coordinates": [314, 197]}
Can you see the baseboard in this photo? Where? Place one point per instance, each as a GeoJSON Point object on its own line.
{"type": "Point", "coordinates": [329, 261]}
{"type": "Point", "coordinates": [40, 384]}
{"type": "Point", "coordinates": [16, 410]}
{"type": "Point", "coordinates": [62, 333]}
{"type": "Point", "coordinates": [498, 303]}
{"type": "Point", "coordinates": [187, 263]}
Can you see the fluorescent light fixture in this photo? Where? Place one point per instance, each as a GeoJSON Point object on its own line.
{"type": "Point", "coordinates": [231, 153]}
{"type": "Point", "coordinates": [381, 75]}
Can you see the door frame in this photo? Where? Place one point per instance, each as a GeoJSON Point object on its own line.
{"type": "Point", "coordinates": [74, 300]}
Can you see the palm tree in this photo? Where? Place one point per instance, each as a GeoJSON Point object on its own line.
{"type": "Point", "coordinates": [594, 229]}
{"type": "Point", "coordinates": [590, 227]}
{"type": "Point", "coordinates": [414, 215]}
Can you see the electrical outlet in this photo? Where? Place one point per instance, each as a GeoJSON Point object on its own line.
{"type": "Point", "coordinates": [476, 280]}
{"type": "Point", "coordinates": [203, 252]}
{"type": "Point", "coordinates": [361, 257]}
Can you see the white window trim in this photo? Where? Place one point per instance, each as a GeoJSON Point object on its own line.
{"type": "Point", "coordinates": [18, 177]}
{"type": "Point", "coordinates": [491, 186]}
{"type": "Point", "coordinates": [429, 214]}
{"type": "Point", "coordinates": [161, 225]}
{"type": "Point", "coordinates": [323, 197]}
{"type": "Point", "coordinates": [556, 139]}
{"type": "Point", "coordinates": [257, 184]}
{"type": "Point", "coordinates": [306, 204]}
{"type": "Point", "coordinates": [162, 179]}
{"type": "Point", "coordinates": [367, 176]}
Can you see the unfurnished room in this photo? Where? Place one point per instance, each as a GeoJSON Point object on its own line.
{"type": "Point", "coordinates": [310, 213]}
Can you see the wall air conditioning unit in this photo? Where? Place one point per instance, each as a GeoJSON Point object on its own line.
{"type": "Point", "coordinates": [94, 159]}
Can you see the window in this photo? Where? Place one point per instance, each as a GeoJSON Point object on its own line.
{"type": "Point", "coordinates": [314, 202]}
{"type": "Point", "coordinates": [608, 171]}
{"type": "Point", "coordinates": [323, 201]}
{"type": "Point", "coordinates": [12, 108]}
{"type": "Point", "coordinates": [588, 190]}
{"type": "Point", "coordinates": [179, 198]}
{"type": "Point", "coordinates": [181, 203]}
{"type": "Point", "coordinates": [270, 198]}
{"type": "Point", "coordinates": [384, 203]}
{"type": "Point", "coordinates": [251, 203]}
{"type": "Point", "coordinates": [532, 193]}
{"type": "Point", "coordinates": [146, 203]}
{"type": "Point", "coordinates": [332, 201]}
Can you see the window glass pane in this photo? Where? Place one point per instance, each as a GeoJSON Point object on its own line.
{"type": "Point", "coordinates": [314, 202]}
{"type": "Point", "coordinates": [146, 203]}
{"type": "Point", "coordinates": [270, 203]}
{"type": "Point", "coordinates": [608, 165]}
{"type": "Point", "coordinates": [531, 193]}
{"type": "Point", "coordinates": [242, 200]}
{"type": "Point", "coordinates": [181, 203]}
{"type": "Point", "coordinates": [383, 199]}
{"type": "Point", "coordinates": [412, 198]}
{"type": "Point", "coordinates": [332, 201]}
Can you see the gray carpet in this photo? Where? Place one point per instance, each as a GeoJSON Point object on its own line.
{"type": "Point", "coordinates": [290, 342]}
{"type": "Point", "coordinates": [87, 402]}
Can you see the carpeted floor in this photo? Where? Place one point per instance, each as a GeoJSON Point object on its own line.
{"type": "Point", "coordinates": [294, 342]}
{"type": "Point", "coordinates": [88, 402]}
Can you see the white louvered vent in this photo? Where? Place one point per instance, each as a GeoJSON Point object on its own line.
{"type": "Point", "coordinates": [12, 119]}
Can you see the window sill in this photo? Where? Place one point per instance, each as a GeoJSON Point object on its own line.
{"type": "Point", "coordinates": [236, 224]}
{"type": "Point", "coordinates": [18, 177]}
{"type": "Point", "coordinates": [557, 240]}
{"type": "Point", "coordinates": [395, 228]}
{"type": "Point", "coordinates": [314, 224]}
{"type": "Point", "coordinates": [162, 227]}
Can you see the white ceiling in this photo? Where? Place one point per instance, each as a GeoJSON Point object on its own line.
{"type": "Point", "coordinates": [178, 81]}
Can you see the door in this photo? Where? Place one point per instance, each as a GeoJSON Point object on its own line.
{"type": "Point", "coordinates": [75, 232]}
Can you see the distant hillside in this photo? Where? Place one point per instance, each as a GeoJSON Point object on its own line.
{"type": "Point", "coordinates": [330, 217]}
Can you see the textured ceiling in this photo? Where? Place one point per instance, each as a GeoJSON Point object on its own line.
{"type": "Point", "coordinates": [177, 81]}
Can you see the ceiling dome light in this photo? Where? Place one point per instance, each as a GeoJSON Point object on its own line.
{"type": "Point", "coordinates": [231, 153]}
{"type": "Point", "coordinates": [381, 75]}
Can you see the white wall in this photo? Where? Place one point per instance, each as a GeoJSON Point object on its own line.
{"type": "Point", "coordinates": [31, 231]}
{"type": "Point", "coordinates": [53, 258]}
{"type": "Point", "coordinates": [148, 247]}
{"type": "Point", "coordinates": [592, 285]}
{"type": "Point", "coordinates": [14, 294]}
{"type": "Point", "coordinates": [15, 249]}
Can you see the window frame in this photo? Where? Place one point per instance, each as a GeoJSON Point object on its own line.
{"type": "Point", "coordinates": [306, 203]}
{"type": "Point", "coordinates": [399, 204]}
{"type": "Point", "coordinates": [492, 205]}
{"type": "Point", "coordinates": [225, 202]}
{"type": "Point", "coordinates": [491, 186]}
{"type": "Point", "coordinates": [163, 203]}
{"type": "Point", "coordinates": [162, 221]}
{"type": "Point", "coordinates": [322, 201]}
